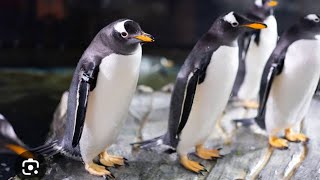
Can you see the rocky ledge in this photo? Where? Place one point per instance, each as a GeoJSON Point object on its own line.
{"type": "Point", "coordinates": [246, 151]}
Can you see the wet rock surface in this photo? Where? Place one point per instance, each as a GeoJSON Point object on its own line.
{"type": "Point", "coordinates": [246, 150]}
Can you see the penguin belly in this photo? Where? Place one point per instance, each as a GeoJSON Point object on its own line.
{"type": "Point", "coordinates": [292, 91]}
{"type": "Point", "coordinates": [108, 103]}
{"type": "Point", "coordinates": [210, 99]}
{"type": "Point", "coordinates": [257, 58]}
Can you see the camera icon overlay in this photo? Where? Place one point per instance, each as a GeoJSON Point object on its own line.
{"type": "Point", "coordinates": [30, 165]}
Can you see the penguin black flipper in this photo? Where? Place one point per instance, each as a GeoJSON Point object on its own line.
{"type": "Point", "coordinates": [86, 81]}
{"type": "Point", "coordinates": [243, 43]}
{"type": "Point", "coordinates": [191, 86]}
{"type": "Point", "coordinates": [185, 101]}
{"type": "Point", "coordinates": [268, 76]}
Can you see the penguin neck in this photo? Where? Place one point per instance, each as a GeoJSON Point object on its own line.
{"type": "Point", "coordinates": [290, 36]}
{"type": "Point", "coordinates": [218, 36]}
{"type": "Point", "coordinates": [123, 49]}
{"type": "Point", "coordinates": [298, 32]}
{"type": "Point", "coordinates": [259, 14]}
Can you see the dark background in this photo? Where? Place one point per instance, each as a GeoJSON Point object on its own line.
{"type": "Point", "coordinates": [42, 40]}
{"type": "Point", "coordinates": [51, 33]}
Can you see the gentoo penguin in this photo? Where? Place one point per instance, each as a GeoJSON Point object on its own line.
{"type": "Point", "coordinates": [202, 89]}
{"type": "Point", "coordinates": [289, 81]}
{"type": "Point", "coordinates": [11, 148]}
{"type": "Point", "coordinates": [9, 141]}
{"type": "Point", "coordinates": [255, 48]}
{"type": "Point", "coordinates": [100, 93]}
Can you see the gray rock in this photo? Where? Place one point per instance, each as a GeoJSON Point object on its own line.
{"type": "Point", "coordinates": [247, 154]}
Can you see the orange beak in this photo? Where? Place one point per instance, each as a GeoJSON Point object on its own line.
{"type": "Point", "coordinates": [21, 151]}
{"type": "Point", "coordinates": [273, 3]}
{"type": "Point", "coordinates": [256, 26]}
{"type": "Point", "coordinates": [145, 37]}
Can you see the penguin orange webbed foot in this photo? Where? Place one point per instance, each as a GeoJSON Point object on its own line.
{"type": "Point", "coordinates": [295, 137]}
{"type": "Point", "coordinates": [250, 104]}
{"type": "Point", "coordinates": [278, 142]}
{"type": "Point", "coordinates": [98, 170]}
{"type": "Point", "coordinates": [193, 166]}
{"type": "Point", "coordinates": [111, 160]}
{"type": "Point", "coordinates": [207, 154]}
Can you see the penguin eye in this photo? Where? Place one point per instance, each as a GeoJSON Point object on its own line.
{"type": "Point", "coordinates": [234, 24]}
{"type": "Point", "coordinates": [317, 20]}
{"type": "Point", "coordinates": [124, 34]}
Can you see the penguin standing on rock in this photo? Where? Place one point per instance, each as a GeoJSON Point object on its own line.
{"type": "Point", "coordinates": [202, 90]}
{"type": "Point", "coordinates": [99, 96]}
{"type": "Point", "coordinates": [255, 48]}
{"type": "Point", "coordinates": [289, 81]}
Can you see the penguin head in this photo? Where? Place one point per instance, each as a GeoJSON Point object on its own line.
{"type": "Point", "coordinates": [263, 8]}
{"type": "Point", "coordinates": [231, 25]}
{"type": "Point", "coordinates": [266, 4]}
{"type": "Point", "coordinates": [124, 35]}
{"type": "Point", "coordinates": [310, 26]}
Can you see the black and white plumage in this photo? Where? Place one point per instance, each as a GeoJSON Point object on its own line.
{"type": "Point", "coordinates": [9, 137]}
{"type": "Point", "coordinates": [290, 77]}
{"type": "Point", "coordinates": [255, 48]}
{"type": "Point", "coordinates": [203, 86]}
{"type": "Point", "coordinates": [100, 92]}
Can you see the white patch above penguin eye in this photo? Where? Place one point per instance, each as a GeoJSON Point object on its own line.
{"type": "Point", "coordinates": [230, 18]}
{"type": "Point", "coordinates": [258, 3]}
{"type": "Point", "coordinates": [313, 17]}
{"type": "Point", "coordinates": [317, 37]}
{"type": "Point", "coordinates": [2, 117]}
{"type": "Point", "coordinates": [119, 27]}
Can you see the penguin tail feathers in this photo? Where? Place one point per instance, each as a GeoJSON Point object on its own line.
{"type": "Point", "coordinates": [48, 149]}
{"type": "Point", "coordinates": [152, 143]}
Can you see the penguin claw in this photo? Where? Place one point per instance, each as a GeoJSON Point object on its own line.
{"type": "Point", "coordinates": [284, 148]}
{"type": "Point", "coordinates": [205, 170]}
{"type": "Point", "coordinates": [109, 176]}
{"type": "Point", "coordinates": [201, 173]}
{"type": "Point", "coordinates": [126, 163]}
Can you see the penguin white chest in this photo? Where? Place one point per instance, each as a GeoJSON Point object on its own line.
{"type": "Point", "coordinates": [257, 57]}
{"type": "Point", "coordinates": [292, 90]}
{"type": "Point", "coordinates": [211, 96]}
{"type": "Point", "coordinates": [108, 103]}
